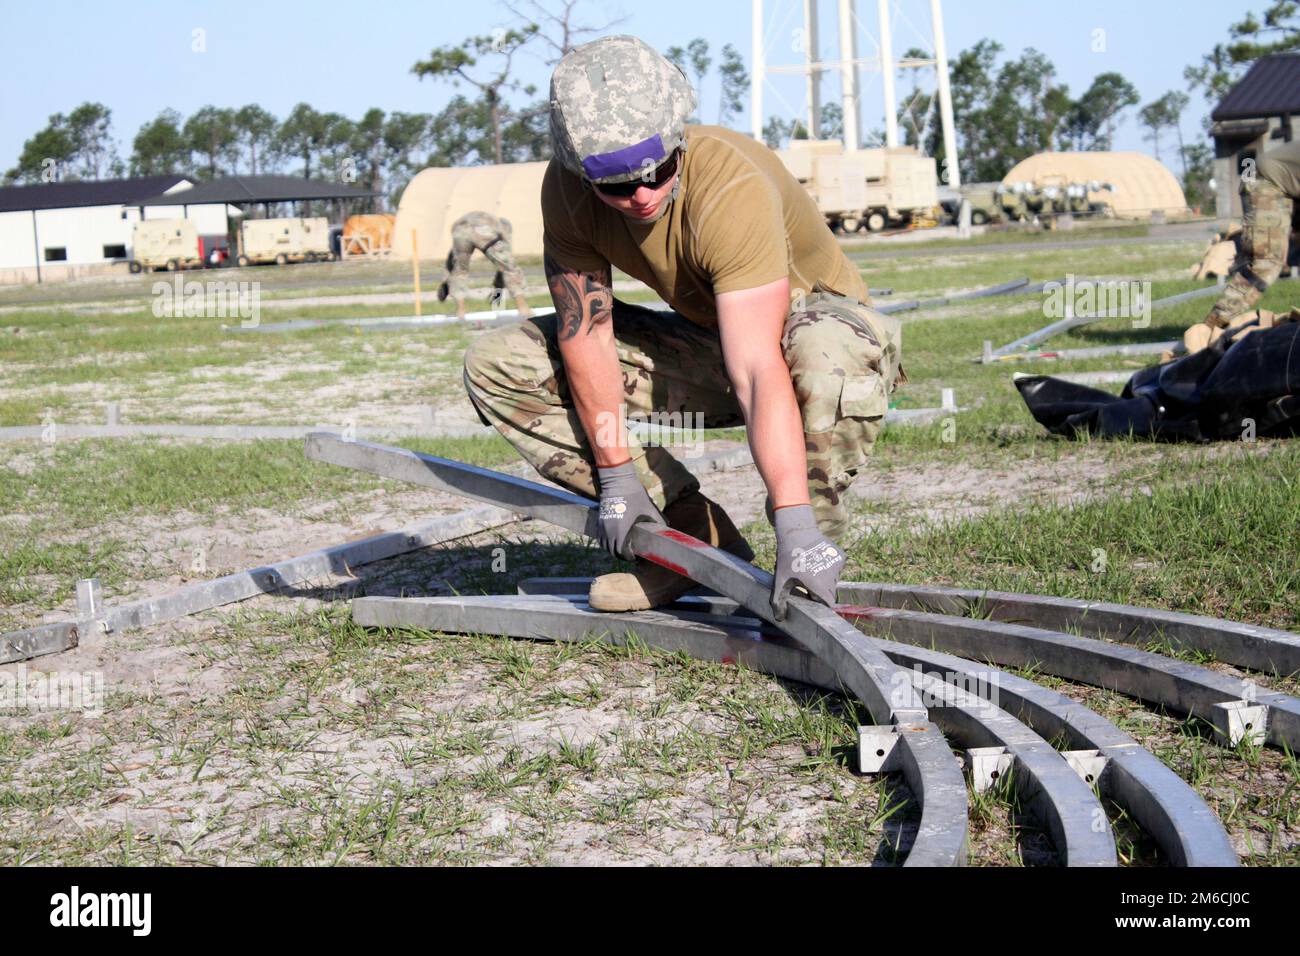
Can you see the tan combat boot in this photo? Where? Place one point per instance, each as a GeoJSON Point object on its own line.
{"type": "Point", "coordinates": [651, 585]}
{"type": "Point", "coordinates": [525, 310]}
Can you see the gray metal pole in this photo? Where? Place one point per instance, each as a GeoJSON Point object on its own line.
{"type": "Point", "coordinates": [811, 52]}
{"type": "Point", "coordinates": [36, 241]}
{"type": "Point", "coordinates": [887, 74]}
{"type": "Point", "coordinates": [849, 76]}
{"type": "Point", "coordinates": [951, 174]}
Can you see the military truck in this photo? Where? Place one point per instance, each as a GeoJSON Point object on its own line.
{"type": "Point", "coordinates": [284, 240]}
{"type": "Point", "coordinates": [985, 202]}
{"type": "Point", "coordinates": [169, 244]}
{"type": "Point", "coordinates": [874, 188]}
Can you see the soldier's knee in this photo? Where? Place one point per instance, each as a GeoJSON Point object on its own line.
{"type": "Point", "coordinates": [482, 363]}
{"type": "Point", "coordinates": [483, 369]}
{"type": "Point", "coordinates": [507, 361]}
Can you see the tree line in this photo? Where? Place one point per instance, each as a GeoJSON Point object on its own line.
{"type": "Point", "coordinates": [1006, 109]}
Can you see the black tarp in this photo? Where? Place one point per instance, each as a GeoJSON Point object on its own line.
{"type": "Point", "coordinates": [1238, 386]}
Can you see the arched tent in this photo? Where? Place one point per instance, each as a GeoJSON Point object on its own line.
{"type": "Point", "coordinates": [1142, 184]}
{"type": "Point", "coordinates": [438, 196]}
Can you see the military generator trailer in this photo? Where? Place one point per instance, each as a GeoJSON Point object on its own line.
{"type": "Point", "coordinates": [871, 188]}
{"type": "Point", "coordinates": [284, 240]}
{"type": "Point", "coordinates": [1048, 197]}
{"type": "Point", "coordinates": [170, 244]}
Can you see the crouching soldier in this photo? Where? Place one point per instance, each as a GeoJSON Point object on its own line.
{"type": "Point", "coordinates": [489, 235]}
{"type": "Point", "coordinates": [771, 328]}
{"type": "Point", "coordinates": [1269, 202]}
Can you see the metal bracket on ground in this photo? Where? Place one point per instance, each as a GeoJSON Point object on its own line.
{"type": "Point", "coordinates": [1088, 764]}
{"type": "Point", "coordinates": [987, 766]}
{"type": "Point", "coordinates": [1238, 720]}
{"type": "Point", "coordinates": [877, 751]}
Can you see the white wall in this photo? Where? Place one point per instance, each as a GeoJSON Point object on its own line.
{"type": "Point", "coordinates": [16, 249]}
{"type": "Point", "coordinates": [85, 230]}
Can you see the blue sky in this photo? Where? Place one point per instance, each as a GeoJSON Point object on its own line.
{"type": "Point", "coordinates": [138, 58]}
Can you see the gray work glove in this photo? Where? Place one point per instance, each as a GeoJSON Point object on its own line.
{"type": "Point", "coordinates": [623, 502]}
{"type": "Point", "coordinates": [803, 556]}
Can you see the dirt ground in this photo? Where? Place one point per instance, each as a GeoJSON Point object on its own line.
{"type": "Point", "coordinates": [286, 752]}
{"type": "Point", "coordinates": [276, 731]}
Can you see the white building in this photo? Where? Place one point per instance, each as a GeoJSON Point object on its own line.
{"type": "Point", "coordinates": [61, 230]}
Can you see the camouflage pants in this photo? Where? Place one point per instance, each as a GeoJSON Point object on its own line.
{"type": "Point", "coordinates": [495, 247]}
{"type": "Point", "coordinates": [1267, 206]}
{"type": "Point", "coordinates": [843, 359]}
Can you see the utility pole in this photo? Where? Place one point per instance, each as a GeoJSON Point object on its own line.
{"type": "Point", "coordinates": [811, 46]}
{"type": "Point", "coordinates": [887, 74]}
{"type": "Point", "coordinates": [849, 75]}
{"type": "Point", "coordinates": [951, 173]}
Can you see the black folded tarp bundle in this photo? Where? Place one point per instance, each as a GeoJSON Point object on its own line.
{"type": "Point", "coordinates": [1239, 386]}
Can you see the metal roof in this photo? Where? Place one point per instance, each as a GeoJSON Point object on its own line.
{"type": "Point", "coordinates": [1270, 88]}
{"type": "Point", "coordinates": [103, 192]}
{"type": "Point", "coordinates": [240, 190]}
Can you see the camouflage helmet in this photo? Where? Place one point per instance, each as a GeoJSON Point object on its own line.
{"type": "Point", "coordinates": [618, 108]}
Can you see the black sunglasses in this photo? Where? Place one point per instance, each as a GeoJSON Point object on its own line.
{"type": "Point", "coordinates": [662, 173]}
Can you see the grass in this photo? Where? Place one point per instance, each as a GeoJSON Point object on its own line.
{"type": "Point", "coordinates": [1100, 229]}
{"type": "Point", "coordinates": [681, 751]}
{"type": "Point", "coordinates": [1225, 543]}
{"type": "Point", "coordinates": [282, 733]}
{"type": "Point", "coordinates": [154, 476]}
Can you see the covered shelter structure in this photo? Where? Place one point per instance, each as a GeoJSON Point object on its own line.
{"type": "Point", "coordinates": [438, 196]}
{"type": "Point", "coordinates": [304, 197]}
{"type": "Point", "coordinates": [1142, 184]}
{"type": "Point", "coordinates": [265, 191]}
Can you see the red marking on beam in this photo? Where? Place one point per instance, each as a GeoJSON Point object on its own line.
{"type": "Point", "coordinates": [672, 534]}
{"type": "Point", "coordinates": [852, 612]}
{"type": "Point", "coordinates": [665, 563]}
{"type": "Point", "coordinates": [681, 537]}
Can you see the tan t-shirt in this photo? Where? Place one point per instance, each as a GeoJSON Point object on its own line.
{"type": "Point", "coordinates": [739, 221]}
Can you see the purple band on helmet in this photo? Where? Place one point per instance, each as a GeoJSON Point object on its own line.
{"type": "Point", "coordinates": [632, 159]}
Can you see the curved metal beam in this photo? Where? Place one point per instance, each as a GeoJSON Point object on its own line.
{"type": "Point", "coordinates": [1260, 648]}
{"type": "Point", "coordinates": [1065, 805]}
{"type": "Point", "coordinates": [1178, 685]}
{"type": "Point", "coordinates": [927, 763]}
{"type": "Point", "coordinates": [1162, 803]}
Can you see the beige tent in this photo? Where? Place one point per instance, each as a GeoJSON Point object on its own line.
{"type": "Point", "coordinates": [438, 196]}
{"type": "Point", "coordinates": [1142, 184]}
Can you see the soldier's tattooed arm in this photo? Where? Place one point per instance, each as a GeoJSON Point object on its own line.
{"type": "Point", "coordinates": [584, 302]}
{"type": "Point", "coordinates": [582, 299]}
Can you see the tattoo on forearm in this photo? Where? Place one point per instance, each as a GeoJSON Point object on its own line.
{"type": "Point", "coordinates": [581, 298]}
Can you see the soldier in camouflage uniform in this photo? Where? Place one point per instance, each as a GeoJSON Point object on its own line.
{"type": "Point", "coordinates": [707, 218]}
{"type": "Point", "coordinates": [490, 235]}
{"type": "Point", "coordinates": [1268, 201]}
